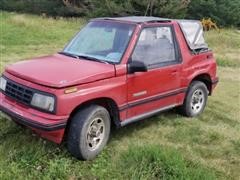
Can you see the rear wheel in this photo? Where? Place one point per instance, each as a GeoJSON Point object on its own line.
{"type": "Point", "coordinates": [89, 132]}
{"type": "Point", "coordinates": [195, 100]}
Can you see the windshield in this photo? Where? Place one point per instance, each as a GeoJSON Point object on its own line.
{"type": "Point", "coordinates": [101, 40]}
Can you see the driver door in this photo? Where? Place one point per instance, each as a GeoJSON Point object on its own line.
{"type": "Point", "coordinates": [158, 87]}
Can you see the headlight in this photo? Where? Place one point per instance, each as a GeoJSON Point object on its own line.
{"type": "Point", "coordinates": [43, 102]}
{"type": "Point", "coordinates": [3, 83]}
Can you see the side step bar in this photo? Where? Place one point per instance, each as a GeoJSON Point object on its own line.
{"type": "Point", "coordinates": [145, 115]}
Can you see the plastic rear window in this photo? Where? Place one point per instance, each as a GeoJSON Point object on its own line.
{"type": "Point", "coordinates": [193, 32]}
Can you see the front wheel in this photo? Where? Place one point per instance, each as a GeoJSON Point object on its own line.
{"type": "Point", "coordinates": [195, 100]}
{"type": "Point", "coordinates": [89, 132]}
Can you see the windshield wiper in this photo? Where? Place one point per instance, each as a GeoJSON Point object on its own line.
{"type": "Point", "coordinates": [84, 57]}
{"type": "Point", "coordinates": [93, 59]}
{"type": "Point", "coordinates": [69, 54]}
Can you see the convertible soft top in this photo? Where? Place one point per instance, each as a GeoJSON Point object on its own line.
{"type": "Point", "coordinates": [192, 29]}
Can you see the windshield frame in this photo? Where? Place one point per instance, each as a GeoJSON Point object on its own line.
{"type": "Point", "coordinates": [110, 21]}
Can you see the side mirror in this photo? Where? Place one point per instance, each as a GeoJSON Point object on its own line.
{"type": "Point", "coordinates": [136, 66]}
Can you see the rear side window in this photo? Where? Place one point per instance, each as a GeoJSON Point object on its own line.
{"type": "Point", "coordinates": [155, 46]}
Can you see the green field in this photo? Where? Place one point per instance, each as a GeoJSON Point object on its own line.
{"type": "Point", "coordinates": [167, 146]}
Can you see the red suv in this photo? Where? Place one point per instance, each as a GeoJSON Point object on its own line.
{"type": "Point", "coordinates": [114, 71]}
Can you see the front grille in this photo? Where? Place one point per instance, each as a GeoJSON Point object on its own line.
{"type": "Point", "coordinates": [18, 92]}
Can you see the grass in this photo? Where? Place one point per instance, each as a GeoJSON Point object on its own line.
{"type": "Point", "coordinates": [156, 162]}
{"type": "Point", "coordinates": [23, 37]}
{"type": "Point", "coordinates": [167, 146]}
{"type": "Point", "coordinates": [226, 44]}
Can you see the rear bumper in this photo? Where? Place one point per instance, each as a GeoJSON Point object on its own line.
{"type": "Point", "coordinates": [214, 84]}
{"type": "Point", "coordinates": [215, 81]}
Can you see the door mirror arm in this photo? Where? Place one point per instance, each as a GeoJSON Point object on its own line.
{"type": "Point", "coordinates": [136, 66]}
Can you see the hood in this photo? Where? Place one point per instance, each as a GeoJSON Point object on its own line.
{"type": "Point", "coordinates": [61, 71]}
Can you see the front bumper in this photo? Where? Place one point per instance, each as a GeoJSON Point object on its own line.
{"type": "Point", "coordinates": [31, 123]}
{"type": "Point", "coordinates": [49, 126]}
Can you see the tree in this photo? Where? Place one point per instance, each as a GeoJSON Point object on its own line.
{"type": "Point", "coordinates": [223, 12]}
{"type": "Point", "coordinates": [165, 8]}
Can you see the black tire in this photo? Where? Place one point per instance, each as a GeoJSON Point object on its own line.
{"type": "Point", "coordinates": [78, 135]}
{"type": "Point", "coordinates": [187, 108]}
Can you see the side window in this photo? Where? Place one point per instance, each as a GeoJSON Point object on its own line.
{"type": "Point", "coordinates": [155, 46]}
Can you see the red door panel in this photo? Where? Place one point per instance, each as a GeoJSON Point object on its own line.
{"type": "Point", "coordinates": [152, 90]}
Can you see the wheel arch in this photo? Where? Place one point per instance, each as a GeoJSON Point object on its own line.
{"type": "Point", "coordinates": [206, 79]}
{"type": "Point", "coordinates": [106, 102]}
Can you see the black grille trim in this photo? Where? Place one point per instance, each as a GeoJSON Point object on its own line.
{"type": "Point", "coordinates": [14, 90]}
{"type": "Point", "coordinates": [19, 92]}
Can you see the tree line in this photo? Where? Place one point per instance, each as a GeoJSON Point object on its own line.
{"type": "Point", "coordinates": [223, 12]}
